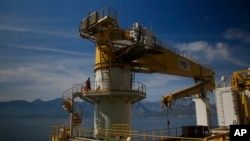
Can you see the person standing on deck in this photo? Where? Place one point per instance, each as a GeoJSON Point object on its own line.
{"type": "Point", "coordinates": [88, 86]}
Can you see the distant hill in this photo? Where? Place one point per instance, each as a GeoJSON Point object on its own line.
{"type": "Point", "coordinates": [20, 108]}
{"type": "Point", "coordinates": [184, 107]}
{"type": "Point", "coordinates": [53, 108]}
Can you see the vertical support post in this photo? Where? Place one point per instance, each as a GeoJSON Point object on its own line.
{"type": "Point", "coordinates": [144, 136]}
{"type": "Point", "coordinates": [71, 125]}
{"type": "Point", "coordinates": [162, 134]}
{"type": "Point", "coordinates": [202, 107]}
{"type": "Point", "coordinates": [71, 116]}
{"type": "Point", "coordinates": [153, 136]}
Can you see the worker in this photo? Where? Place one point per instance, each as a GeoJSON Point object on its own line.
{"type": "Point", "coordinates": [87, 84]}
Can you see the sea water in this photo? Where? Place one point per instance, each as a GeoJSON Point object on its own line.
{"type": "Point", "coordinates": [38, 129]}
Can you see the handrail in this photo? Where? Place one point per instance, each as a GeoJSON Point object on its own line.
{"type": "Point", "coordinates": [179, 52]}
{"type": "Point", "coordinates": [78, 109]}
{"type": "Point", "coordinates": [108, 12]}
{"type": "Point", "coordinates": [107, 86]}
{"type": "Point", "coordinates": [166, 131]}
{"type": "Point", "coordinates": [219, 136]}
{"type": "Point", "coordinates": [119, 85]}
{"type": "Point", "coordinates": [133, 135]}
{"type": "Point", "coordinates": [67, 95]}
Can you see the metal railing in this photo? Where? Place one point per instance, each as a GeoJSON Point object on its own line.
{"type": "Point", "coordinates": [106, 86]}
{"type": "Point", "coordinates": [58, 133]}
{"type": "Point", "coordinates": [118, 86]}
{"type": "Point", "coordinates": [68, 97]}
{"type": "Point", "coordinates": [219, 137]}
{"type": "Point", "coordinates": [153, 135]}
{"type": "Point", "coordinates": [108, 12]}
{"type": "Point", "coordinates": [181, 53]}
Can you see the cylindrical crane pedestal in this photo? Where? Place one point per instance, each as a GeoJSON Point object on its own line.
{"type": "Point", "coordinates": [113, 94]}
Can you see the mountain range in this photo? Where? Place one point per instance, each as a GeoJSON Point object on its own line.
{"type": "Point", "coordinates": [53, 108]}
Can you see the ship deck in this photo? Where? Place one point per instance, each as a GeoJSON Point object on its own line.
{"type": "Point", "coordinates": [129, 135]}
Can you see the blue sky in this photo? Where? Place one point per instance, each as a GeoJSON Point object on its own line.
{"type": "Point", "coordinates": [42, 54]}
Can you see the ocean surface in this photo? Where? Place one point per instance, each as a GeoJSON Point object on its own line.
{"type": "Point", "coordinates": [38, 129]}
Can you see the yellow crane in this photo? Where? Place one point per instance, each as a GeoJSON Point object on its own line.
{"type": "Point", "coordinates": [240, 83]}
{"type": "Point", "coordinates": [140, 50]}
{"type": "Point", "coordinates": [137, 50]}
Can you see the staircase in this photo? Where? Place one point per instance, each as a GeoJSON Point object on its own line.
{"type": "Point", "coordinates": [69, 105]}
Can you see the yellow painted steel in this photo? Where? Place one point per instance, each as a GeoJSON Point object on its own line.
{"type": "Point", "coordinates": [59, 133]}
{"type": "Point", "coordinates": [240, 80]}
{"type": "Point", "coordinates": [174, 64]}
{"type": "Point", "coordinates": [103, 57]}
{"type": "Point", "coordinates": [245, 104]}
{"type": "Point", "coordinates": [186, 92]}
{"type": "Point", "coordinates": [240, 83]}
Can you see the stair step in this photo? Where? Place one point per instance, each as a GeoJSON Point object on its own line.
{"type": "Point", "coordinates": [67, 108]}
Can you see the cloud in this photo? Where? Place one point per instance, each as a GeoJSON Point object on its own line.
{"type": "Point", "coordinates": [211, 53]}
{"type": "Point", "coordinates": [193, 46]}
{"type": "Point", "coordinates": [12, 28]}
{"type": "Point", "coordinates": [39, 48]}
{"type": "Point", "coordinates": [42, 76]}
{"type": "Point", "coordinates": [46, 71]}
{"type": "Point", "coordinates": [237, 34]}
{"type": "Point", "coordinates": [39, 30]}
{"type": "Point", "coordinates": [44, 79]}
{"type": "Point", "coordinates": [217, 51]}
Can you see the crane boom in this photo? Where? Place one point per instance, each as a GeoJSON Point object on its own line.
{"type": "Point", "coordinates": [186, 92]}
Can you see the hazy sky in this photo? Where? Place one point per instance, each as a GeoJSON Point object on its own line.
{"type": "Point", "coordinates": [42, 54]}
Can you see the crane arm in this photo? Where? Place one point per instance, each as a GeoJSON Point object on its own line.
{"type": "Point", "coordinates": [169, 62]}
{"type": "Point", "coordinates": [186, 92]}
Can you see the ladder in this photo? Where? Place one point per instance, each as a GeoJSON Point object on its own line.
{"type": "Point", "coordinates": [221, 109]}
{"type": "Point", "coordinates": [236, 101]}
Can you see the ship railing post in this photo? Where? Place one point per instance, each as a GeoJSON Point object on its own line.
{"type": "Point", "coordinates": [162, 134]}
{"type": "Point", "coordinates": [71, 114]}
{"type": "Point", "coordinates": [78, 132]}
{"type": "Point", "coordinates": [84, 132]}
{"type": "Point", "coordinates": [153, 135]}
{"type": "Point", "coordinates": [144, 136]}
{"type": "Point", "coordinates": [176, 131]}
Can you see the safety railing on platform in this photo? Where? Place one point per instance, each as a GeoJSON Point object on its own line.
{"type": "Point", "coordinates": [94, 17]}
{"type": "Point", "coordinates": [219, 137]}
{"type": "Point", "coordinates": [121, 86]}
{"type": "Point", "coordinates": [181, 53]}
{"type": "Point", "coordinates": [59, 133]}
{"type": "Point", "coordinates": [108, 12]}
{"type": "Point", "coordinates": [153, 135]}
{"type": "Point", "coordinates": [104, 87]}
